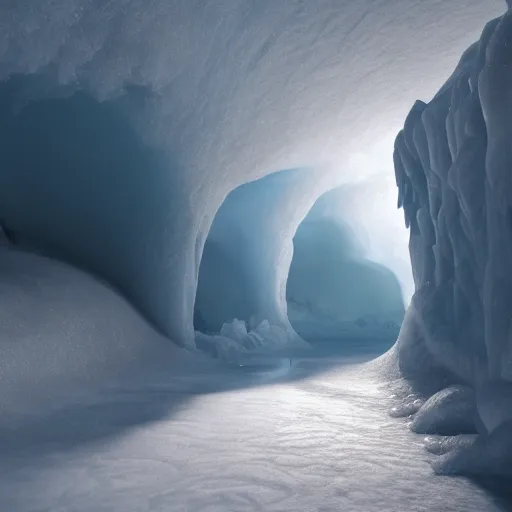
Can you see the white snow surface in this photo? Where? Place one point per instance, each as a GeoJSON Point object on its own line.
{"type": "Point", "coordinates": [317, 443]}
{"type": "Point", "coordinates": [173, 431]}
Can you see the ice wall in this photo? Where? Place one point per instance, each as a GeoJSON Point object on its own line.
{"type": "Point", "coordinates": [452, 163]}
{"type": "Point", "coordinates": [209, 95]}
{"type": "Point", "coordinates": [78, 184]}
{"type": "Point", "coordinates": [249, 249]}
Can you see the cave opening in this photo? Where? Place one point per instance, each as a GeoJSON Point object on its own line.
{"type": "Point", "coordinates": [244, 260]}
{"type": "Point", "coordinates": [315, 278]}
{"type": "Point", "coordinates": [334, 292]}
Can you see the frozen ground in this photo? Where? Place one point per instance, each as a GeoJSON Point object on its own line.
{"type": "Point", "coordinates": [313, 436]}
{"type": "Point", "coordinates": [100, 413]}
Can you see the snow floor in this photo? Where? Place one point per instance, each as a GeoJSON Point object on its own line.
{"type": "Point", "coordinates": [306, 433]}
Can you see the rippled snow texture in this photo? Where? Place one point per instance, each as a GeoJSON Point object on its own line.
{"type": "Point", "coordinates": [322, 443]}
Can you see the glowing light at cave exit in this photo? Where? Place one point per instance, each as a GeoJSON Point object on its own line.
{"type": "Point", "coordinates": [367, 202]}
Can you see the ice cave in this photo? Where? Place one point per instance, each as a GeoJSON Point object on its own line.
{"type": "Point", "coordinates": [254, 255]}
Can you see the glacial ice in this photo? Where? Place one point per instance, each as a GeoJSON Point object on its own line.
{"type": "Point", "coordinates": [439, 445]}
{"type": "Point", "coordinates": [452, 165]}
{"type": "Point", "coordinates": [273, 253]}
{"type": "Point", "coordinates": [332, 285]}
{"type": "Point", "coordinates": [193, 99]}
{"type": "Point", "coordinates": [123, 131]}
{"type": "Point", "coordinates": [249, 250]}
{"type": "Point", "coordinates": [487, 455]}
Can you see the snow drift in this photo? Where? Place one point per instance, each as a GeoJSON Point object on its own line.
{"type": "Point", "coordinates": [65, 334]}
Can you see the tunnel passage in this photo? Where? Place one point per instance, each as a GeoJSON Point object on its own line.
{"type": "Point", "coordinates": [334, 292]}
{"type": "Point", "coordinates": [247, 257]}
{"type": "Point", "coordinates": [246, 254]}
{"type": "Point", "coordinates": [224, 290]}
{"type": "Point", "coordinates": [77, 184]}
{"type": "Point", "coordinates": [269, 256]}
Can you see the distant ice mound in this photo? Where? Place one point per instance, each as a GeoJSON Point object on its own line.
{"type": "Point", "coordinates": [452, 164]}
{"type": "Point", "coordinates": [334, 291]}
{"type": "Point", "coordinates": [235, 341]}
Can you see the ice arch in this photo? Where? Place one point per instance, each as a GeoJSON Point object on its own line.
{"type": "Point", "coordinates": [191, 82]}
{"type": "Point", "coordinates": [249, 250]}
{"type": "Point", "coordinates": [78, 183]}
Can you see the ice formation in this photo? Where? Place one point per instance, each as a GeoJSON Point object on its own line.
{"type": "Point", "coordinates": [321, 283]}
{"type": "Point", "coordinates": [452, 411]}
{"type": "Point", "coordinates": [452, 164]}
{"type": "Point", "coordinates": [235, 341]}
{"type": "Point", "coordinates": [249, 250]}
{"type": "Point", "coordinates": [166, 109]}
{"type": "Point", "coordinates": [365, 210]}
{"type": "Point", "coordinates": [124, 128]}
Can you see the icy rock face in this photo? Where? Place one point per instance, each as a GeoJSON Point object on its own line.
{"type": "Point", "coordinates": [452, 165]}
{"type": "Point", "coordinates": [451, 411]}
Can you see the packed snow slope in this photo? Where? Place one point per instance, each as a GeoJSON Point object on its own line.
{"type": "Point", "coordinates": [124, 124]}
{"type": "Point", "coordinates": [452, 162]}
